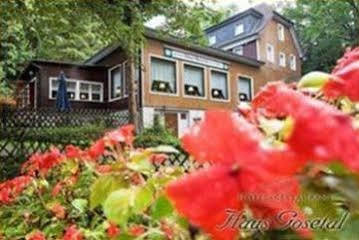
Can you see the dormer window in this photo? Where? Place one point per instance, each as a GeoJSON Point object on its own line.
{"type": "Point", "coordinates": [280, 28]}
{"type": "Point", "coordinates": [212, 40]}
{"type": "Point", "coordinates": [239, 29]}
{"type": "Point", "coordinates": [238, 50]}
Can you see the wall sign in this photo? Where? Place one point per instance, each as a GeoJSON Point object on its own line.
{"type": "Point", "coordinates": [186, 56]}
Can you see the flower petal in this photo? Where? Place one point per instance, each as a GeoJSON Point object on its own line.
{"type": "Point", "coordinates": [222, 137]}
{"type": "Point", "coordinates": [205, 196]}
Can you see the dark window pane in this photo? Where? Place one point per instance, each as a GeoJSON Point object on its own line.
{"type": "Point", "coordinates": [96, 97]}
{"type": "Point", "coordinates": [116, 82]}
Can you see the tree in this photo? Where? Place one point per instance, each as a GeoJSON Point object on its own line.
{"type": "Point", "coordinates": [74, 30]}
{"type": "Point", "coordinates": [326, 28]}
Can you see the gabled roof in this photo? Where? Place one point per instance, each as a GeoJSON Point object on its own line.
{"type": "Point", "coordinates": [265, 13]}
{"type": "Point", "coordinates": [36, 64]}
{"type": "Point", "coordinates": [153, 34]}
{"type": "Point", "coordinates": [83, 65]}
{"type": "Point", "coordinates": [234, 18]}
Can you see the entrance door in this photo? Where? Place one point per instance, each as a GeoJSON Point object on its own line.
{"type": "Point", "coordinates": [171, 122]}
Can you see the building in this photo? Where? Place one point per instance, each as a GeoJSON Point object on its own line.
{"type": "Point", "coordinates": [177, 81]}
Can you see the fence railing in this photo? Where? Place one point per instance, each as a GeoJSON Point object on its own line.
{"type": "Point", "coordinates": [25, 131]}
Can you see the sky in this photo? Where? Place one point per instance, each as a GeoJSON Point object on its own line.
{"type": "Point", "coordinates": [240, 5]}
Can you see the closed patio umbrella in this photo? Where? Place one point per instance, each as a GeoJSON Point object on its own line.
{"type": "Point", "coordinates": [62, 100]}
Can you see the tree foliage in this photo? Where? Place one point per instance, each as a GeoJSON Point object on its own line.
{"type": "Point", "coordinates": [74, 30]}
{"type": "Point", "coordinates": [325, 29]}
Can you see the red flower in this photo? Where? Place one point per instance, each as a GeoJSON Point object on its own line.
{"type": "Point", "coordinates": [10, 189]}
{"type": "Point", "coordinates": [240, 166]}
{"type": "Point", "coordinates": [158, 158]}
{"type": "Point", "coordinates": [71, 180]}
{"type": "Point", "coordinates": [42, 163]}
{"type": "Point", "coordinates": [345, 81]}
{"type": "Point", "coordinates": [57, 189]}
{"type": "Point", "coordinates": [113, 231]}
{"type": "Point", "coordinates": [220, 127]}
{"type": "Point", "coordinates": [104, 168]}
{"type": "Point", "coordinates": [136, 179]}
{"type": "Point", "coordinates": [36, 236]}
{"type": "Point", "coordinates": [73, 152]}
{"type": "Point", "coordinates": [137, 230]}
{"type": "Point", "coordinates": [168, 231]}
{"type": "Point", "coordinates": [97, 149]}
{"type": "Point", "coordinates": [320, 132]}
{"type": "Point", "coordinates": [58, 210]}
{"type": "Point", "coordinates": [72, 233]}
{"type": "Point", "coordinates": [122, 134]}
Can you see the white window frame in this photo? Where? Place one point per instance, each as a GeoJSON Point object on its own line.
{"type": "Point", "coordinates": [123, 66]}
{"type": "Point", "coordinates": [239, 29]}
{"type": "Point", "coordinates": [280, 30]}
{"type": "Point", "coordinates": [270, 57]}
{"type": "Point", "coordinates": [212, 39]}
{"type": "Point", "coordinates": [238, 50]}
{"type": "Point", "coordinates": [293, 62]}
{"type": "Point", "coordinates": [283, 62]}
{"type": "Point", "coordinates": [228, 85]}
{"type": "Point", "coordinates": [150, 75]}
{"type": "Point", "coordinates": [251, 85]}
{"type": "Point", "coordinates": [77, 89]}
{"type": "Point", "coordinates": [204, 81]}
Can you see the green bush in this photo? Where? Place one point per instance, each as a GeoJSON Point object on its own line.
{"type": "Point", "coordinates": [20, 144]}
{"type": "Point", "coordinates": [58, 135]}
{"type": "Point", "coordinates": [155, 136]}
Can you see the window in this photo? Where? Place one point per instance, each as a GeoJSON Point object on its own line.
{"type": "Point", "coordinates": [239, 29]}
{"type": "Point", "coordinates": [117, 84]}
{"type": "Point", "coordinates": [212, 40]}
{"type": "Point", "coordinates": [163, 74]}
{"type": "Point", "coordinates": [293, 62]}
{"type": "Point", "coordinates": [70, 87]}
{"type": "Point", "coordinates": [193, 81]}
{"type": "Point", "coordinates": [238, 50]}
{"type": "Point", "coordinates": [270, 53]}
{"type": "Point", "coordinates": [84, 91]}
{"type": "Point", "coordinates": [282, 59]}
{"type": "Point", "coordinates": [245, 89]}
{"type": "Point", "coordinates": [280, 32]}
{"type": "Point", "coordinates": [219, 85]}
{"type": "Point", "coordinates": [78, 90]}
{"type": "Point", "coordinates": [96, 92]}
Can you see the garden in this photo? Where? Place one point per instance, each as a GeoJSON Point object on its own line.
{"type": "Point", "coordinates": [284, 167]}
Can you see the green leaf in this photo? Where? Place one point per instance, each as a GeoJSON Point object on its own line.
{"type": "Point", "coordinates": [143, 199]}
{"type": "Point", "coordinates": [164, 149]}
{"type": "Point", "coordinates": [103, 187]}
{"type": "Point", "coordinates": [80, 204]}
{"type": "Point", "coordinates": [117, 206]}
{"type": "Point", "coordinates": [142, 165]}
{"type": "Point", "coordinates": [317, 204]}
{"type": "Point", "coordinates": [314, 80]}
{"type": "Point", "coordinates": [351, 229]}
{"type": "Point", "coordinates": [161, 208]}
{"type": "Point", "coordinates": [125, 236]}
